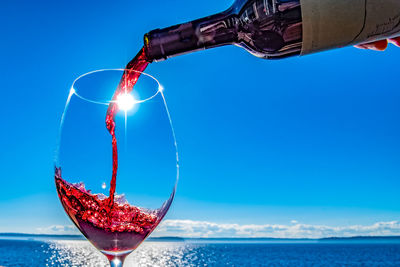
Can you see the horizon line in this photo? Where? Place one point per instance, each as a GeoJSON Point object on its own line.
{"type": "Point", "coordinates": [80, 236]}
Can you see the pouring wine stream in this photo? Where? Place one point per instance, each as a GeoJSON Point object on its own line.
{"type": "Point", "coordinates": [131, 75]}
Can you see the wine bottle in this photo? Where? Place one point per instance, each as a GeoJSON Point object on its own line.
{"type": "Point", "coordinates": [280, 28]}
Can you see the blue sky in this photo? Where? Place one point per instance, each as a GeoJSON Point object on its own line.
{"type": "Point", "coordinates": [309, 140]}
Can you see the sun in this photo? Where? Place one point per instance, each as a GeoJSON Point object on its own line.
{"type": "Point", "coordinates": [125, 101]}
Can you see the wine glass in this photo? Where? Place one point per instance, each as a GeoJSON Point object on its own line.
{"type": "Point", "coordinates": [116, 190]}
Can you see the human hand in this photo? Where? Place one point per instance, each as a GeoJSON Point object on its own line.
{"type": "Point", "coordinates": [380, 45]}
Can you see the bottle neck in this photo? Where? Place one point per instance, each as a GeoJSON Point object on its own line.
{"type": "Point", "coordinates": [208, 32]}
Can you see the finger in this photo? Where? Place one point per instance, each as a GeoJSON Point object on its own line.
{"type": "Point", "coordinates": [395, 41]}
{"type": "Point", "coordinates": [377, 45]}
{"type": "Point", "coordinates": [361, 46]}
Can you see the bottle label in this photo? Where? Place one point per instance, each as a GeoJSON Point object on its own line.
{"type": "Point", "coordinates": [337, 23]}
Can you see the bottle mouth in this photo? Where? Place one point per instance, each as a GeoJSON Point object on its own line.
{"type": "Point", "coordinates": [147, 45]}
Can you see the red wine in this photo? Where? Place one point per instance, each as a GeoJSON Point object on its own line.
{"type": "Point", "coordinates": [111, 224]}
{"type": "Point", "coordinates": [121, 228]}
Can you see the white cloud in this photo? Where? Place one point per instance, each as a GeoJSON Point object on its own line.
{"type": "Point", "coordinates": [195, 229]}
{"type": "Point", "coordinates": [59, 230]}
{"type": "Point", "coordinates": [294, 222]}
{"type": "Point", "coordinates": [188, 228]}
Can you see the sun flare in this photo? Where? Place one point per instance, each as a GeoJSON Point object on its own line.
{"type": "Point", "coordinates": [125, 101]}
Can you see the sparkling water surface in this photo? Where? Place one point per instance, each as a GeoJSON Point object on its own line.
{"type": "Point", "coordinates": [82, 253]}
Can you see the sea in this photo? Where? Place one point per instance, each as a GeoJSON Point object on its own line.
{"type": "Point", "coordinates": [31, 252]}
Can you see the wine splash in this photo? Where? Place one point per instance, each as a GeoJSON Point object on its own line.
{"type": "Point", "coordinates": [122, 228]}
{"type": "Point", "coordinates": [111, 223]}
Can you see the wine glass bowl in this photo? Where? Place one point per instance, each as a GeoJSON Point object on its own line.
{"type": "Point", "coordinates": [145, 161]}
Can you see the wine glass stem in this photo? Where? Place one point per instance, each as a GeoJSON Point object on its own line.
{"type": "Point", "coordinates": [117, 261]}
